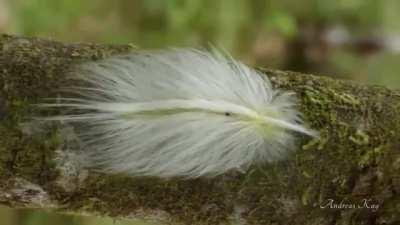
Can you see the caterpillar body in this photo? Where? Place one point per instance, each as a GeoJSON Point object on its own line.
{"type": "Point", "coordinates": [178, 113]}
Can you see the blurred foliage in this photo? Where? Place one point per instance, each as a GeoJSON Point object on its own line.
{"type": "Point", "coordinates": [351, 39]}
{"type": "Point", "coordinates": [282, 34]}
{"type": "Point", "coordinates": [39, 217]}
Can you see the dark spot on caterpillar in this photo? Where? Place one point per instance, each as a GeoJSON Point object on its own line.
{"type": "Point", "coordinates": [227, 114]}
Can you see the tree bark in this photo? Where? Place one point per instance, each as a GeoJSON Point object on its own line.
{"type": "Point", "coordinates": [349, 175]}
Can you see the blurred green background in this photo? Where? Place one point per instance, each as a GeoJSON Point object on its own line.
{"type": "Point", "coordinates": [347, 39]}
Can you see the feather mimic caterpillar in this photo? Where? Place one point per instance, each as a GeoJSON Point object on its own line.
{"type": "Point", "coordinates": [178, 113]}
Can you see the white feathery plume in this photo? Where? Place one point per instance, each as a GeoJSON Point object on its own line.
{"type": "Point", "coordinates": [178, 113]}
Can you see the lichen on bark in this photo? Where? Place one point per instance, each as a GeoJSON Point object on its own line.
{"type": "Point", "coordinates": [356, 158]}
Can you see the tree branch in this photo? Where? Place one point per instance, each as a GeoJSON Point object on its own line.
{"type": "Point", "coordinates": [350, 175]}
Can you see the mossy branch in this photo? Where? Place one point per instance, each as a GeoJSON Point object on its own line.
{"type": "Point", "coordinates": [350, 175]}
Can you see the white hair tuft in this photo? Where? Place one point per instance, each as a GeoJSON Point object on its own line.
{"type": "Point", "coordinates": [178, 113]}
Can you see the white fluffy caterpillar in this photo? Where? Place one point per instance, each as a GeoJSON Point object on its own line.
{"type": "Point", "coordinates": [178, 113]}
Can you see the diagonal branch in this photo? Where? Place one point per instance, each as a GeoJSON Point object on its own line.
{"type": "Point", "coordinates": [351, 175]}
